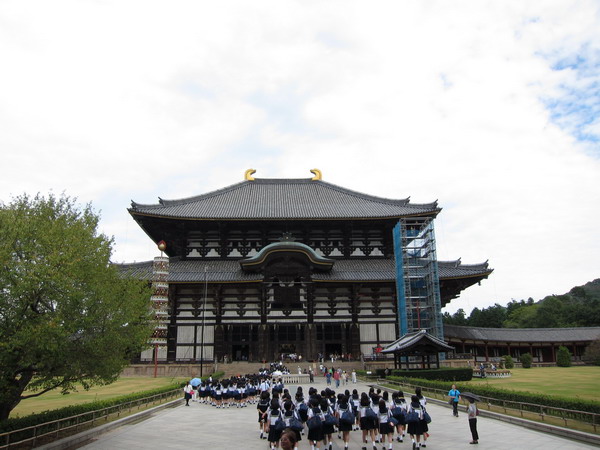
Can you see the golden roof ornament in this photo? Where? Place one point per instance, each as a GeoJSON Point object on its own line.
{"type": "Point", "coordinates": [317, 173]}
{"type": "Point", "coordinates": [248, 175]}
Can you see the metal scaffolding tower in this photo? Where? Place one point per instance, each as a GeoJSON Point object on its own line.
{"type": "Point", "coordinates": [417, 280]}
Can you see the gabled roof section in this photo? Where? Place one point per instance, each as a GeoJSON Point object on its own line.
{"type": "Point", "coordinates": [417, 341]}
{"type": "Point", "coordinates": [256, 262]}
{"type": "Point", "coordinates": [456, 269]}
{"type": "Point", "coordinates": [283, 198]}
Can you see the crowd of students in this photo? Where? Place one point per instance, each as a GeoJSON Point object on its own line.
{"type": "Point", "coordinates": [284, 418]}
{"type": "Point", "coordinates": [381, 418]}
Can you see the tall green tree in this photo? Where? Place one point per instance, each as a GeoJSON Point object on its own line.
{"type": "Point", "coordinates": [67, 316]}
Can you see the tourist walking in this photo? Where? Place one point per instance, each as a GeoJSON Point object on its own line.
{"type": "Point", "coordinates": [472, 413]}
{"type": "Point", "coordinates": [336, 377]}
{"type": "Point", "coordinates": [454, 397]}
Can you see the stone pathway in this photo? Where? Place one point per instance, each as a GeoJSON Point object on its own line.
{"type": "Point", "coordinates": [205, 427]}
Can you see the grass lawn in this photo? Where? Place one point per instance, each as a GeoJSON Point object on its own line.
{"type": "Point", "coordinates": [123, 386]}
{"type": "Point", "coordinates": [580, 382]}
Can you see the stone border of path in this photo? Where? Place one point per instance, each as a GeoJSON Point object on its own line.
{"type": "Point", "coordinates": [88, 435]}
{"type": "Point", "coordinates": [576, 435]}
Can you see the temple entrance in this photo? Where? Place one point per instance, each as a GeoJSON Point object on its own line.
{"type": "Point", "coordinates": [240, 352]}
{"type": "Point", "coordinates": [333, 349]}
{"type": "Point", "coordinates": [287, 349]}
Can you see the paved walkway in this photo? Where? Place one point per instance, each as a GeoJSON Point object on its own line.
{"type": "Point", "coordinates": [205, 427]}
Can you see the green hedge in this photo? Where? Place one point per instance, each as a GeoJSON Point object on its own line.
{"type": "Point", "coordinates": [515, 396]}
{"type": "Point", "coordinates": [69, 411]}
{"type": "Point", "coordinates": [444, 374]}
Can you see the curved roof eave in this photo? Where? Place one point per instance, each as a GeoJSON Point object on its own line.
{"type": "Point", "coordinates": [283, 199]}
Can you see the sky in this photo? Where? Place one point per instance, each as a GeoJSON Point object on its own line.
{"type": "Point", "coordinates": [490, 107]}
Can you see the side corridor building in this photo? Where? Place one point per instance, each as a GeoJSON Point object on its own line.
{"type": "Point", "coordinates": [271, 266]}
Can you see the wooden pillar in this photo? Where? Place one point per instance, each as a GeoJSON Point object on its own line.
{"type": "Point", "coordinates": [275, 351]}
{"type": "Point", "coordinates": [344, 346]}
{"type": "Point", "coordinates": [263, 343]}
{"type": "Point", "coordinates": [553, 352]}
{"type": "Point", "coordinates": [309, 350]}
{"type": "Point", "coordinates": [310, 304]}
{"type": "Point", "coordinates": [487, 358]}
{"type": "Point", "coordinates": [172, 329]}
{"type": "Point", "coordinates": [222, 345]}
{"type": "Point", "coordinates": [355, 340]}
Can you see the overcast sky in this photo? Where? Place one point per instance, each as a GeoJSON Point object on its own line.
{"type": "Point", "coordinates": [490, 107]}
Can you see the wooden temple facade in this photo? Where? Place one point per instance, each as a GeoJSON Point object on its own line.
{"type": "Point", "coordinates": [272, 266]}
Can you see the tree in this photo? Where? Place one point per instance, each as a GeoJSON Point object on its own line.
{"type": "Point", "coordinates": [526, 360]}
{"type": "Point", "coordinates": [491, 317]}
{"type": "Point", "coordinates": [592, 353]}
{"type": "Point", "coordinates": [66, 314]}
{"type": "Point", "coordinates": [509, 363]}
{"type": "Point", "coordinates": [458, 318]}
{"type": "Point", "coordinates": [523, 317]}
{"type": "Point", "coordinates": [563, 357]}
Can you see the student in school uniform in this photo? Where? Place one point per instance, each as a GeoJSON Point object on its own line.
{"type": "Point", "coordinates": [344, 427]}
{"type": "Point", "coordinates": [328, 430]}
{"type": "Point", "coordinates": [414, 428]}
{"type": "Point", "coordinates": [288, 413]}
{"type": "Point", "coordinates": [367, 425]}
{"type": "Point", "coordinates": [424, 426]}
{"type": "Point", "coordinates": [399, 407]}
{"type": "Point", "coordinates": [187, 393]}
{"type": "Point", "coordinates": [263, 407]}
{"type": "Point", "coordinates": [386, 429]}
{"type": "Point", "coordinates": [273, 415]}
{"type": "Point", "coordinates": [355, 406]}
{"type": "Point", "coordinates": [315, 435]}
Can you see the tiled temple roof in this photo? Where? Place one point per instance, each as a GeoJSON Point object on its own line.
{"type": "Point", "coordinates": [289, 199]}
{"type": "Point", "coordinates": [525, 335]}
{"type": "Point", "coordinates": [456, 269]}
{"type": "Point", "coordinates": [416, 340]}
{"type": "Point", "coordinates": [192, 271]}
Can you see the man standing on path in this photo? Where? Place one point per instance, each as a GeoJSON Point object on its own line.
{"type": "Point", "coordinates": [454, 394]}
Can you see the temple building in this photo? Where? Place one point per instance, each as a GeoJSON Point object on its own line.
{"type": "Point", "coordinates": [271, 266]}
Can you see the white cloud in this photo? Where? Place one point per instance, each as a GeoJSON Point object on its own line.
{"type": "Point", "coordinates": [112, 101]}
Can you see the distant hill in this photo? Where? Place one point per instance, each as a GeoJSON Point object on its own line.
{"type": "Point", "coordinates": [580, 307]}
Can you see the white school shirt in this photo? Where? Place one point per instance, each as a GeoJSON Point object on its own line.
{"type": "Point", "coordinates": [273, 417]}
{"type": "Point", "coordinates": [383, 417]}
{"type": "Point", "coordinates": [363, 410]}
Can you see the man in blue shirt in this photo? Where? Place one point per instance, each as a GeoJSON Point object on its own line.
{"type": "Point", "coordinates": [454, 394]}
